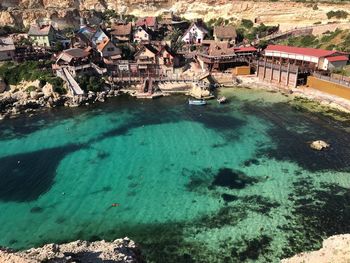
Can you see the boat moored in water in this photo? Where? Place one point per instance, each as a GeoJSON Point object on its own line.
{"type": "Point", "coordinates": [222, 100]}
{"type": "Point", "coordinates": [197, 102]}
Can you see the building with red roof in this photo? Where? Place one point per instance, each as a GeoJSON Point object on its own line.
{"type": "Point", "coordinates": [309, 57]}
{"type": "Point", "coordinates": [148, 22]}
{"type": "Point", "coordinates": [249, 49]}
{"type": "Point", "coordinates": [107, 49]}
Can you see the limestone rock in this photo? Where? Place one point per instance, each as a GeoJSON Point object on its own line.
{"type": "Point", "coordinates": [34, 95]}
{"type": "Point", "coordinates": [120, 250]}
{"type": "Point", "coordinates": [65, 13]}
{"type": "Point", "coordinates": [48, 90]}
{"type": "Point", "coordinates": [334, 249]}
{"type": "Point", "coordinates": [319, 145]}
{"type": "Point", "coordinates": [2, 85]}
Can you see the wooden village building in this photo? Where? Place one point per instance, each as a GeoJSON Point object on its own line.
{"type": "Point", "coordinates": [290, 66]}
{"type": "Point", "coordinates": [88, 36]}
{"type": "Point", "coordinates": [7, 48]}
{"type": "Point", "coordinates": [309, 58]}
{"type": "Point", "coordinates": [225, 33]}
{"type": "Point", "coordinates": [121, 33]}
{"type": "Point", "coordinates": [195, 34]}
{"type": "Point", "coordinates": [145, 59]}
{"type": "Point", "coordinates": [149, 22]}
{"type": "Point", "coordinates": [74, 59]}
{"type": "Point", "coordinates": [219, 56]}
{"type": "Point", "coordinates": [42, 35]}
{"type": "Point", "coordinates": [108, 50]}
{"type": "Point", "coordinates": [150, 60]}
{"type": "Point", "coordinates": [143, 34]}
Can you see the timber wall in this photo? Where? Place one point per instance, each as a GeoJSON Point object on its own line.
{"type": "Point", "coordinates": [282, 75]}
{"type": "Point", "coordinates": [243, 70]}
{"type": "Point", "coordinates": [329, 87]}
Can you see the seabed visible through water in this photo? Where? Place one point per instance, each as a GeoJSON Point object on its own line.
{"type": "Point", "coordinates": [220, 183]}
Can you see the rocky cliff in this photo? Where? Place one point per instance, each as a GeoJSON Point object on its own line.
{"type": "Point", "coordinates": [66, 12]}
{"type": "Point", "coordinates": [120, 250]}
{"type": "Point", "coordinates": [334, 249]}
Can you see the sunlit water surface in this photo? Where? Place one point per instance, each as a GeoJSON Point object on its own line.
{"type": "Point", "coordinates": [220, 183]}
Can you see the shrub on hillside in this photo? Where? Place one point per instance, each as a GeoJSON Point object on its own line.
{"type": "Point", "coordinates": [31, 88]}
{"type": "Point", "coordinates": [91, 83]}
{"type": "Point", "coordinates": [339, 14]}
{"type": "Point", "coordinates": [247, 23]}
{"type": "Point", "coordinates": [14, 73]}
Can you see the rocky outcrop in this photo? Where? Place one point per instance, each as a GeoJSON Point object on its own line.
{"type": "Point", "coordinates": [319, 145]}
{"type": "Point", "coordinates": [66, 12]}
{"type": "Point", "coordinates": [334, 249]}
{"type": "Point", "coordinates": [29, 97]}
{"type": "Point", "coordinates": [120, 250]}
{"type": "Point", "coordinates": [3, 85]}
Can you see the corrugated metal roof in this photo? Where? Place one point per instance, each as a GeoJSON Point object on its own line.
{"type": "Point", "coordinates": [76, 52]}
{"type": "Point", "coordinates": [225, 32]}
{"type": "Point", "coordinates": [121, 30]}
{"type": "Point", "coordinates": [6, 44]}
{"type": "Point", "coordinates": [149, 21]}
{"type": "Point", "coordinates": [338, 58]}
{"type": "Point", "coordinates": [36, 30]}
{"type": "Point", "coordinates": [245, 49]}
{"type": "Point", "coordinates": [312, 52]}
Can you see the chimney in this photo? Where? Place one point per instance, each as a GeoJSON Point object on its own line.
{"type": "Point", "coordinates": [82, 22]}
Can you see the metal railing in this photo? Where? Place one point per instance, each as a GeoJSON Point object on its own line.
{"type": "Point", "coordinates": [343, 82]}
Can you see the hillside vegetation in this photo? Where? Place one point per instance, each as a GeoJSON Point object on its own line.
{"type": "Point", "coordinates": [13, 73]}
{"type": "Point", "coordinates": [337, 40]}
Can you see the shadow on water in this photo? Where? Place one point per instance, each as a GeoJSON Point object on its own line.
{"type": "Point", "coordinates": [233, 179]}
{"type": "Point", "coordinates": [201, 180]}
{"type": "Point", "coordinates": [25, 125]}
{"type": "Point", "coordinates": [253, 249]}
{"type": "Point", "coordinates": [158, 115]}
{"type": "Point", "coordinates": [176, 242]}
{"type": "Point", "coordinates": [325, 211]}
{"type": "Point", "coordinates": [291, 143]}
{"type": "Point", "coordinates": [35, 172]}
{"type": "Point", "coordinates": [24, 177]}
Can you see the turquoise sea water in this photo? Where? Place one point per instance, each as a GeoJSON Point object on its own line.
{"type": "Point", "coordinates": [220, 183]}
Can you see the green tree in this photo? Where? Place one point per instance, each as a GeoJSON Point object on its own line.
{"type": "Point", "coordinates": [247, 23]}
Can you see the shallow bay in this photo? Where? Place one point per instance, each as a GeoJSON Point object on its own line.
{"type": "Point", "coordinates": [220, 183]}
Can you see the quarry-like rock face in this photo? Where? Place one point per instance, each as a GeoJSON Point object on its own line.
{"type": "Point", "coordinates": [66, 12]}
{"type": "Point", "coordinates": [121, 250]}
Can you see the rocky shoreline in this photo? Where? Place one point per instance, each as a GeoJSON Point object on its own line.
{"type": "Point", "coordinates": [323, 99]}
{"type": "Point", "coordinates": [120, 250]}
{"type": "Point", "coordinates": [18, 99]}
{"type": "Point", "coordinates": [334, 249]}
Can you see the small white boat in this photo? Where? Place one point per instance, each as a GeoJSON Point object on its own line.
{"type": "Point", "coordinates": [197, 102]}
{"type": "Point", "coordinates": [222, 100]}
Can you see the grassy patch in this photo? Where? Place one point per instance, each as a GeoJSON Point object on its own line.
{"type": "Point", "coordinates": [14, 73]}
{"type": "Point", "coordinates": [335, 40]}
